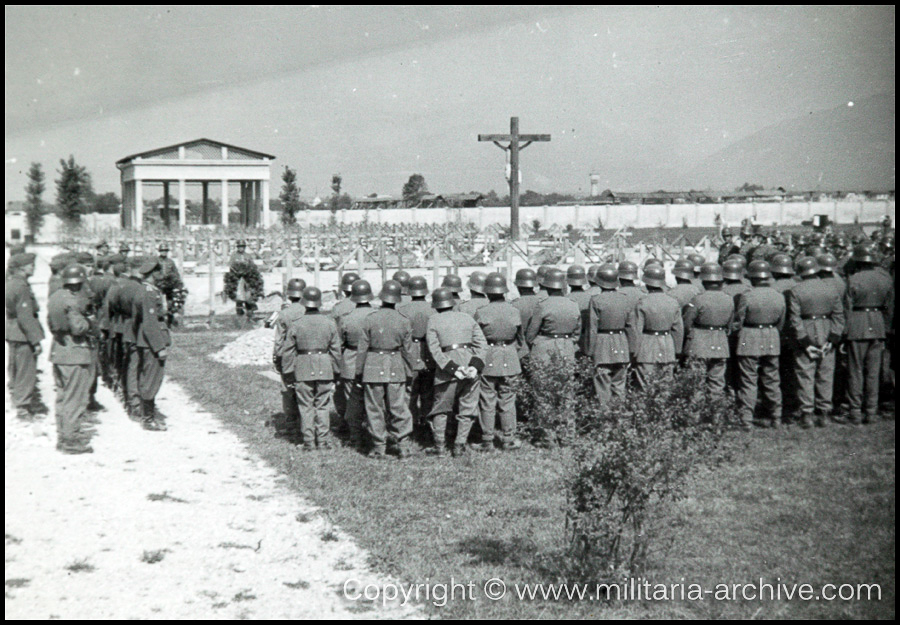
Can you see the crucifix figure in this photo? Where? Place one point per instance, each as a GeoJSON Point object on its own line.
{"type": "Point", "coordinates": [513, 156]}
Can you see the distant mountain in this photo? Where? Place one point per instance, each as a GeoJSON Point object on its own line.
{"type": "Point", "coordinates": [839, 149]}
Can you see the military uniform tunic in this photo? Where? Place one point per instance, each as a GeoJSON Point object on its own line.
{"type": "Point", "coordinates": [758, 321]}
{"type": "Point", "coordinates": [152, 338]}
{"type": "Point", "coordinates": [470, 306]}
{"type": "Point", "coordinates": [707, 321]}
{"type": "Point", "coordinates": [683, 293]}
{"type": "Point", "coordinates": [127, 295]}
{"type": "Point", "coordinates": [421, 396]}
{"type": "Point", "coordinates": [70, 354]}
{"type": "Point", "coordinates": [285, 367]}
{"type": "Point", "coordinates": [656, 336]}
{"type": "Point", "coordinates": [610, 315]}
{"type": "Point", "coordinates": [526, 304]}
{"type": "Point", "coordinates": [23, 334]}
{"type": "Point", "coordinates": [350, 330]}
{"type": "Point", "coordinates": [555, 328]}
{"type": "Point", "coordinates": [583, 299]}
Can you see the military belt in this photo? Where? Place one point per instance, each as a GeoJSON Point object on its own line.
{"type": "Point", "coordinates": [384, 351]}
{"type": "Point", "coordinates": [351, 347]}
{"type": "Point", "coordinates": [450, 348]}
{"type": "Point", "coordinates": [312, 351]}
{"type": "Point", "coordinates": [868, 309]}
{"type": "Point", "coordinates": [551, 335]}
{"type": "Point", "coordinates": [501, 342]}
{"type": "Point", "coordinates": [616, 331]}
{"type": "Point", "coordinates": [760, 326]}
{"type": "Point", "coordinates": [703, 326]}
{"type": "Point", "coordinates": [812, 317]}
{"type": "Point", "coordinates": [657, 332]}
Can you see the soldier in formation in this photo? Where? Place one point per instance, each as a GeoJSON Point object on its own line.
{"type": "Point", "coordinates": [24, 334]}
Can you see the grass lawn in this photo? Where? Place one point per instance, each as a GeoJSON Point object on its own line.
{"type": "Point", "coordinates": [793, 507]}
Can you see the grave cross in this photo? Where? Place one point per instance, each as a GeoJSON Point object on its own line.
{"type": "Point", "coordinates": [513, 149]}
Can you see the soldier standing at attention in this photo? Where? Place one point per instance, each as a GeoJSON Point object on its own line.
{"type": "Point", "coordinates": [733, 272]}
{"type": "Point", "coordinates": [525, 282]}
{"type": "Point", "coordinates": [502, 327]}
{"type": "Point", "coordinates": [454, 283]}
{"type": "Point", "coordinates": [783, 281]}
{"type": "Point", "coordinates": [628, 274]}
{"type": "Point", "coordinates": [241, 257]}
{"type": "Point", "coordinates": [384, 363]}
{"type": "Point", "coordinates": [594, 288]}
{"type": "Point", "coordinates": [23, 333]}
{"type": "Point", "coordinates": [315, 349]}
{"type": "Point", "coordinates": [685, 289]}
{"type": "Point", "coordinates": [421, 394]}
{"type": "Point", "coordinates": [128, 296]}
{"type": "Point", "coordinates": [657, 332]}
{"type": "Point", "coordinates": [342, 307]}
{"type": "Point", "coordinates": [577, 280]}
{"type": "Point", "coordinates": [555, 327]}
{"type": "Point", "coordinates": [152, 341]}
{"type": "Point", "coordinates": [57, 264]}
{"type": "Point", "coordinates": [71, 358]}
{"type": "Point", "coordinates": [827, 273]}
{"type": "Point", "coordinates": [100, 283]}
{"type": "Point", "coordinates": [458, 347]}
{"type": "Point", "coordinates": [817, 322]}
{"type": "Point", "coordinates": [782, 273]}
{"type": "Point", "coordinates": [758, 321]}
{"type": "Point", "coordinates": [698, 261]}
{"type": "Point", "coordinates": [869, 309]}
{"type": "Point", "coordinates": [171, 280]}
{"type": "Point", "coordinates": [477, 298]}
{"type": "Point", "coordinates": [350, 329]}
{"type": "Point", "coordinates": [707, 320]}
{"type": "Point", "coordinates": [285, 367]}
{"type": "Point", "coordinates": [110, 304]}
{"type": "Point", "coordinates": [541, 272]}
{"type": "Point", "coordinates": [610, 315]}
{"type": "Point", "coordinates": [124, 250]}
{"type": "Point", "coordinates": [402, 277]}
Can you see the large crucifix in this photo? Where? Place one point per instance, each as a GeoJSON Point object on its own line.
{"type": "Point", "coordinates": [513, 154]}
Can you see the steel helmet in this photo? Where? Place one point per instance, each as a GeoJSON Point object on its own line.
{"type": "Point", "coordinates": [312, 297]}
{"type": "Point", "coordinates": [347, 281]}
{"type": "Point", "coordinates": [361, 291]}
{"type": "Point", "coordinates": [163, 247]}
{"type": "Point", "coordinates": [526, 277]}
{"type": "Point", "coordinates": [733, 269]}
{"type": "Point", "coordinates": [74, 274]}
{"type": "Point", "coordinates": [711, 272]}
{"type": "Point", "coordinates": [575, 276]}
{"type": "Point", "coordinates": [698, 260]}
{"type": "Point", "coordinates": [401, 277]}
{"type": "Point", "coordinates": [418, 286]}
{"type": "Point", "coordinates": [863, 253]}
{"type": "Point", "coordinates": [683, 268]}
{"type": "Point", "coordinates": [542, 270]}
{"type": "Point", "coordinates": [654, 275]}
{"type": "Point", "coordinates": [628, 270]}
{"type": "Point", "coordinates": [827, 262]}
{"type": "Point", "coordinates": [554, 279]}
{"type": "Point", "coordinates": [452, 282]}
{"type": "Point", "coordinates": [442, 298]}
{"type": "Point", "coordinates": [782, 265]}
{"type": "Point", "coordinates": [738, 257]}
{"type": "Point", "coordinates": [295, 287]}
{"type": "Point", "coordinates": [495, 284]}
{"type": "Point", "coordinates": [807, 266]}
{"type": "Point", "coordinates": [476, 282]}
{"type": "Point", "coordinates": [608, 276]}
{"type": "Point", "coordinates": [652, 261]}
{"type": "Point", "coordinates": [391, 292]}
{"type": "Point", "coordinates": [815, 250]}
{"type": "Point", "coordinates": [759, 270]}
{"type": "Point", "coordinates": [241, 244]}
{"type": "Point", "coordinates": [592, 273]}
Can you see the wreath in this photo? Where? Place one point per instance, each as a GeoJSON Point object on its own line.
{"type": "Point", "coordinates": [253, 282]}
{"type": "Point", "coordinates": [173, 288]}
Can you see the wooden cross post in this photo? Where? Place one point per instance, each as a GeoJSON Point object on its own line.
{"type": "Point", "coordinates": [513, 148]}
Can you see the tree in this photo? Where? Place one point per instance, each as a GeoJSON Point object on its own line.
{"type": "Point", "coordinates": [414, 188]}
{"type": "Point", "coordinates": [750, 187]}
{"type": "Point", "coordinates": [73, 191]}
{"type": "Point", "coordinates": [34, 205]}
{"type": "Point", "coordinates": [336, 181]}
{"type": "Point", "coordinates": [290, 197]}
{"type": "Point", "coordinates": [106, 203]}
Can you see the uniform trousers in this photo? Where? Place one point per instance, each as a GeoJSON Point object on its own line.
{"type": "Point", "coordinates": [117, 357]}
{"type": "Point", "coordinates": [497, 397]}
{"type": "Point", "coordinates": [387, 411]}
{"type": "Point", "coordinates": [289, 399]}
{"type": "Point", "coordinates": [150, 374]}
{"type": "Point", "coordinates": [421, 396]}
{"type": "Point", "coordinates": [354, 411]}
{"type": "Point", "coordinates": [609, 381]}
{"type": "Point", "coordinates": [132, 366]}
{"type": "Point", "coordinates": [644, 372]}
{"type": "Point", "coordinates": [73, 383]}
{"type": "Point", "coordinates": [461, 397]}
{"type": "Point", "coordinates": [864, 360]}
{"type": "Point", "coordinates": [313, 399]}
{"type": "Point", "coordinates": [815, 382]}
{"type": "Point", "coordinates": [759, 373]}
{"type": "Point", "coordinates": [715, 374]}
{"type": "Point", "coordinates": [22, 371]}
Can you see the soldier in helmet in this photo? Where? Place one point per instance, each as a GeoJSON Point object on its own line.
{"type": "Point", "coordinates": [869, 309]}
{"type": "Point", "coordinates": [345, 304]}
{"type": "Point", "coordinates": [458, 347]}
{"type": "Point", "coordinates": [102, 249]}
{"type": "Point", "coordinates": [657, 332]}
{"type": "Point", "coordinates": [501, 325]}
{"type": "Point", "coordinates": [610, 315]}
{"type": "Point", "coordinates": [541, 272]}
{"type": "Point", "coordinates": [577, 281]}
{"type": "Point", "coordinates": [172, 286]}
{"type": "Point", "coordinates": [733, 272]}
{"type": "Point", "coordinates": [100, 283]}
{"type": "Point", "coordinates": [593, 284]}
{"type": "Point", "coordinates": [72, 360]}
{"type": "Point", "coordinates": [57, 264]}
{"type": "Point", "coordinates": [384, 366]}
{"type": "Point", "coordinates": [707, 321]}
{"type": "Point", "coordinates": [454, 284]}
{"type": "Point", "coordinates": [555, 326]}
{"type": "Point", "coordinates": [758, 321]}
{"type": "Point", "coordinates": [350, 330]}
{"type": "Point", "coordinates": [418, 311]}
{"type": "Point", "coordinates": [23, 334]}
{"type": "Point", "coordinates": [152, 341]}
{"type": "Point", "coordinates": [127, 297]}
{"type": "Point", "coordinates": [698, 261]}
{"type": "Point", "coordinates": [476, 289]}
{"type": "Point", "coordinates": [124, 249]}
{"type": "Point", "coordinates": [285, 367]}
{"type": "Point", "coordinates": [244, 303]}
{"type": "Point", "coordinates": [314, 347]}
{"type": "Point", "coordinates": [526, 280]}
{"type": "Point", "coordinates": [685, 289]}
{"type": "Point", "coordinates": [402, 278]}
{"type": "Point", "coordinates": [782, 273]}
{"type": "Point", "coordinates": [817, 323]}
{"type": "Point", "coordinates": [628, 275]}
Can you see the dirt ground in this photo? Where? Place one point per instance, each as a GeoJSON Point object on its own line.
{"type": "Point", "coordinates": [183, 524]}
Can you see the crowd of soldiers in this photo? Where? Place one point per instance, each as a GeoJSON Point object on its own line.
{"type": "Point", "coordinates": [771, 330]}
{"type": "Point", "coordinates": [108, 321]}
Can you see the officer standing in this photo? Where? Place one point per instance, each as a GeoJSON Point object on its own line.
{"type": "Point", "coordinates": [658, 330]}
{"type": "Point", "coordinates": [70, 355]}
{"type": "Point", "coordinates": [869, 310]}
{"type": "Point", "coordinates": [315, 349]}
{"type": "Point", "coordinates": [477, 298]}
{"type": "Point", "coordinates": [418, 311]}
{"type": "Point", "coordinates": [350, 329]}
{"type": "Point", "coordinates": [525, 282]}
{"type": "Point", "coordinates": [817, 323]}
{"type": "Point", "coordinates": [23, 334]}
{"type": "Point", "coordinates": [577, 281]}
{"type": "Point", "coordinates": [758, 322]}
{"type": "Point", "coordinates": [707, 320]}
{"type": "Point", "coordinates": [610, 315]}
{"type": "Point", "coordinates": [555, 326]}
{"type": "Point", "coordinates": [501, 325]}
{"type": "Point", "coordinates": [384, 366]}
{"type": "Point", "coordinates": [285, 367]}
{"type": "Point", "coordinates": [152, 341]}
{"type": "Point", "coordinates": [458, 347]}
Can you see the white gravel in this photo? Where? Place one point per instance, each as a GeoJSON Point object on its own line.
{"type": "Point", "coordinates": [251, 348]}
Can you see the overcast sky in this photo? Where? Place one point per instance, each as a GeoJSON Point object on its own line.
{"type": "Point", "coordinates": [638, 94]}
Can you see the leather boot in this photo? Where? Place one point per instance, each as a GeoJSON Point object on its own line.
{"type": "Point", "coordinates": [150, 422]}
